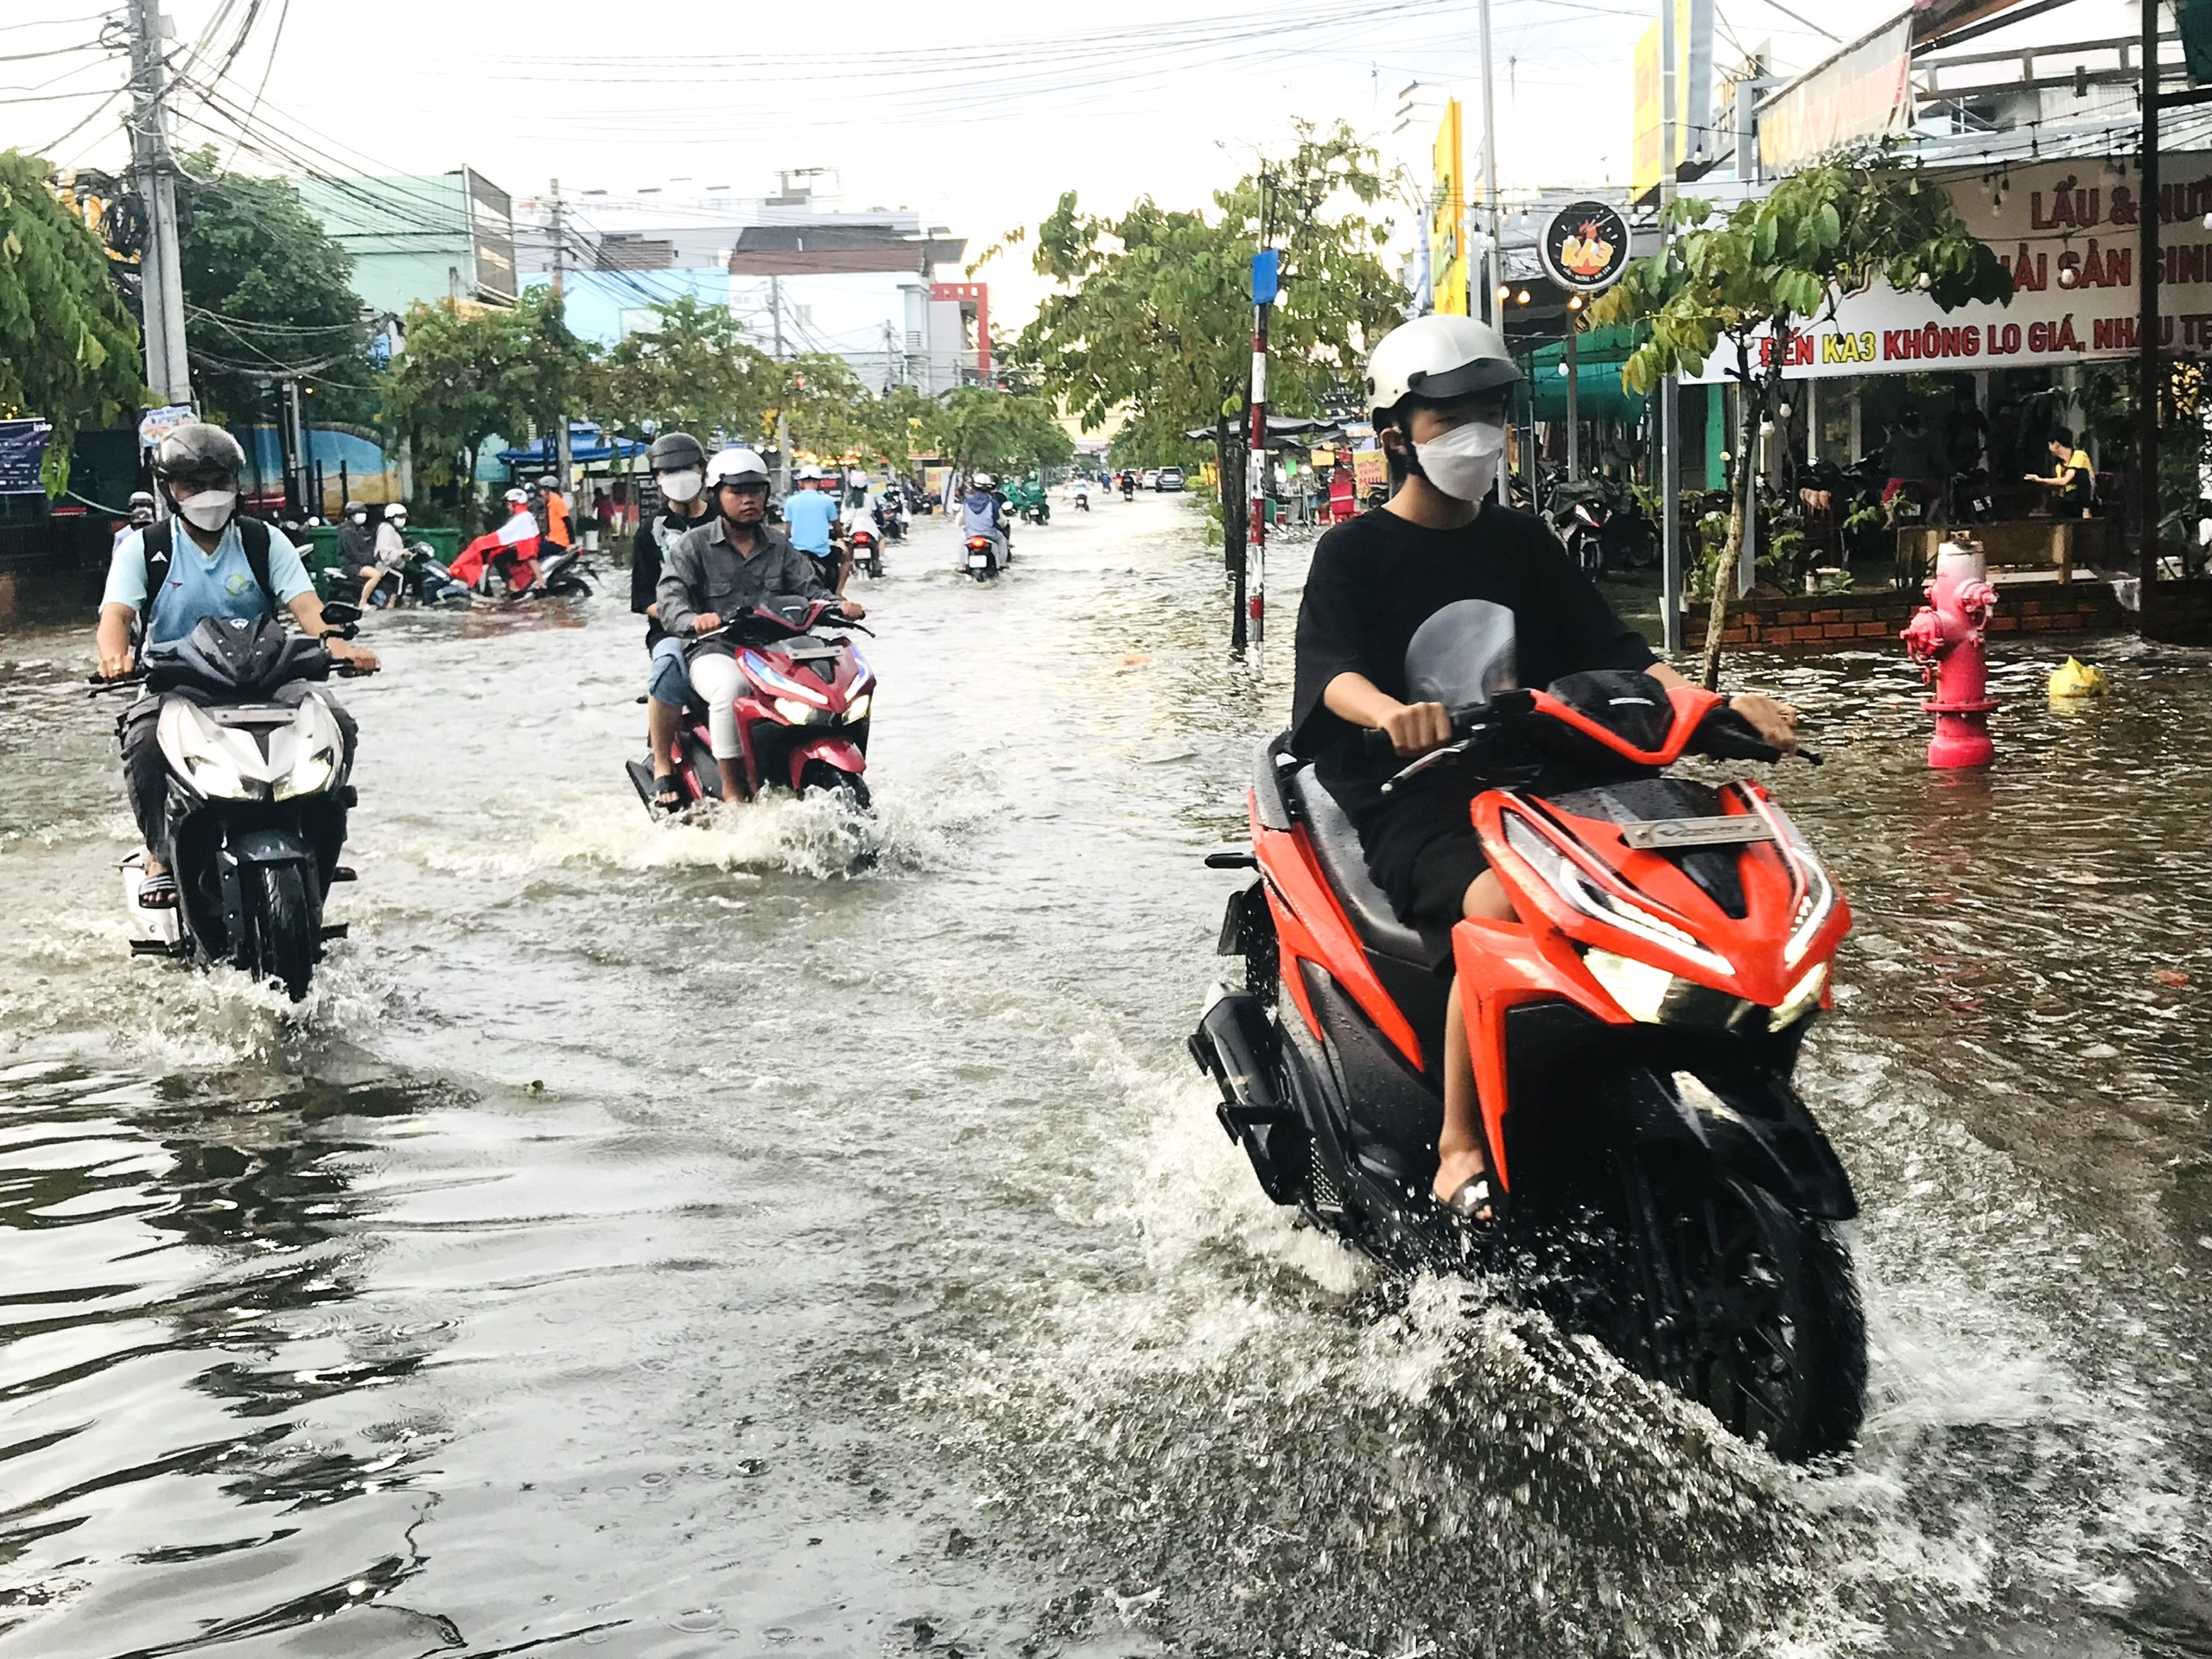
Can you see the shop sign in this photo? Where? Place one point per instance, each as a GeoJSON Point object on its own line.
{"type": "Point", "coordinates": [2067, 232]}
{"type": "Point", "coordinates": [1584, 247]}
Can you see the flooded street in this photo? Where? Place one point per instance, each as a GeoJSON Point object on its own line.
{"type": "Point", "coordinates": [678, 1240]}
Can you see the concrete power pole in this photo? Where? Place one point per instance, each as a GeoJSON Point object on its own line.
{"type": "Point", "coordinates": [783, 426]}
{"type": "Point", "coordinates": [161, 271]}
{"type": "Point", "coordinates": [562, 454]}
{"type": "Point", "coordinates": [1494, 263]}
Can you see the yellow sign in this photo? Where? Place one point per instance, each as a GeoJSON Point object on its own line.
{"type": "Point", "coordinates": [1448, 218]}
{"type": "Point", "coordinates": [1647, 109]}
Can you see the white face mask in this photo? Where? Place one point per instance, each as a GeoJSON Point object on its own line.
{"type": "Point", "coordinates": [210, 509]}
{"type": "Point", "coordinates": [682, 487]}
{"type": "Point", "coordinates": [1464, 463]}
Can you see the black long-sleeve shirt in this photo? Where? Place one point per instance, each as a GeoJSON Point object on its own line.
{"type": "Point", "coordinates": [648, 552]}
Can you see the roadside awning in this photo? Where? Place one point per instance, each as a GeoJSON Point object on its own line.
{"type": "Point", "coordinates": [1600, 394]}
{"type": "Point", "coordinates": [587, 444]}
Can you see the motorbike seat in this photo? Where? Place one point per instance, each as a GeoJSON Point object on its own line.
{"type": "Point", "coordinates": [1336, 845]}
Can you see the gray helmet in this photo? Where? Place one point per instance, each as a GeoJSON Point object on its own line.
{"type": "Point", "coordinates": [672, 452]}
{"type": "Point", "coordinates": [547, 482]}
{"type": "Point", "coordinates": [353, 507]}
{"type": "Point", "coordinates": [196, 452]}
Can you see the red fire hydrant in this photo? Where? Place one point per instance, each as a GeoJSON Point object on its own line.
{"type": "Point", "coordinates": [1946, 639]}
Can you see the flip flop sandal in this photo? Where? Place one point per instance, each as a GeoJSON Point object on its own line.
{"type": "Point", "coordinates": [1472, 1202]}
{"type": "Point", "coordinates": [157, 892]}
{"type": "Point", "coordinates": [668, 794]}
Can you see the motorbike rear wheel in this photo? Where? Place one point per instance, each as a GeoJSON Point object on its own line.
{"type": "Point", "coordinates": [1742, 1305]}
{"type": "Point", "coordinates": [283, 927]}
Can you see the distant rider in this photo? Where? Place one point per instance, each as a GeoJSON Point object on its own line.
{"type": "Point", "coordinates": [808, 516]}
{"type": "Point", "coordinates": [207, 561]}
{"type": "Point", "coordinates": [391, 559]}
{"type": "Point", "coordinates": [552, 512]}
{"type": "Point", "coordinates": [679, 465]}
{"type": "Point", "coordinates": [983, 512]}
{"type": "Point", "coordinates": [720, 571]}
{"type": "Point", "coordinates": [141, 515]}
{"type": "Point", "coordinates": [356, 544]}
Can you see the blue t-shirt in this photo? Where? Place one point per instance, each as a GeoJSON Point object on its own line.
{"type": "Point", "coordinates": [202, 584]}
{"type": "Point", "coordinates": [808, 515]}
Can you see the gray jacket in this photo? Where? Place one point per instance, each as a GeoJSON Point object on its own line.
{"type": "Point", "coordinates": [704, 573]}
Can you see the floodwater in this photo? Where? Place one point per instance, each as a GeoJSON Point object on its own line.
{"type": "Point", "coordinates": [669, 1240]}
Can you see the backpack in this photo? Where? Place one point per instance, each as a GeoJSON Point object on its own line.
{"type": "Point", "coordinates": [160, 541]}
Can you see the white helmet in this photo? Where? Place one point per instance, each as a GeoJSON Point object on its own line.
{"type": "Point", "coordinates": [983, 481]}
{"type": "Point", "coordinates": [739, 465]}
{"type": "Point", "coordinates": [1439, 357]}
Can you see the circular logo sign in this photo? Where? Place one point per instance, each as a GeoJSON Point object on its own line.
{"type": "Point", "coordinates": [1585, 246]}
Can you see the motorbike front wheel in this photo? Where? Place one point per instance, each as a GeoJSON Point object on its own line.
{"type": "Point", "coordinates": [821, 775]}
{"type": "Point", "coordinates": [1742, 1305]}
{"type": "Point", "coordinates": [283, 927]}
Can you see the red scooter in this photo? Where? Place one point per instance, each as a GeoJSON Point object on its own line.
{"type": "Point", "coordinates": [868, 553]}
{"type": "Point", "coordinates": [802, 715]}
{"type": "Point", "coordinates": [1660, 1184]}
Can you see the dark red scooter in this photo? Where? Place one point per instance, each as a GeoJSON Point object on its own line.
{"type": "Point", "coordinates": [802, 714]}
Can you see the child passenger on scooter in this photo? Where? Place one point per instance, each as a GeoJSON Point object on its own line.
{"type": "Point", "coordinates": [1438, 386]}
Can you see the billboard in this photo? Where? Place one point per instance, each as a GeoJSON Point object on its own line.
{"type": "Point", "coordinates": [1863, 92]}
{"type": "Point", "coordinates": [1646, 106]}
{"type": "Point", "coordinates": [1448, 216]}
{"type": "Point", "coordinates": [2067, 233]}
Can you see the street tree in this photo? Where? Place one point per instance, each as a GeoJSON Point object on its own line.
{"type": "Point", "coordinates": [694, 371]}
{"type": "Point", "coordinates": [981, 427]}
{"type": "Point", "coordinates": [1152, 311]}
{"type": "Point", "coordinates": [466, 373]}
{"type": "Point", "coordinates": [69, 352]}
{"type": "Point", "coordinates": [822, 402]}
{"type": "Point", "coordinates": [1774, 268]}
{"type": "Point", "coordinates": [559, 361]}
{"type": "Point", "coordinates": [268, 295]}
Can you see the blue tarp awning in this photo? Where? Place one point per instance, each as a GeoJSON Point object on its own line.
{"type": "Point", "coordinates": [587, 444]}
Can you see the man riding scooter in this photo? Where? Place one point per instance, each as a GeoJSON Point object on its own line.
{"type": "Point", "coordinates": [714, 574]}
{"type": "Point", "coordinates": [679, 465]}
{"type": "Point", "coordinates": [204, 562]}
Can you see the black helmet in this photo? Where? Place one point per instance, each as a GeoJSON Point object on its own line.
{"type": "Point", "coordinates": [197, 453]}
{"type": "Point", "coordinates": [672, 452]}
{"type": "Point", "coordinates": [353, 507]}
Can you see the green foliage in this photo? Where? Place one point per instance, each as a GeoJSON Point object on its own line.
{"type": "Point", "coordinates": [1787, 258]}
{"type": "Point", "coordinates": [1153, 310]}
{"type": "Point", "coordinates": [69, 352]}
{"type": "Point", "coordinates": [979, 426]}
{"type": "Point", "coordinates": [267, 293]}
{"type": "Point", "coordinates": [693, 372]}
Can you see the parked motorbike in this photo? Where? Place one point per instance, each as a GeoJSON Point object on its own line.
{"type": "Point", "coordinates": [1660, 1184]}
{"type": "Point", "coordinates": [802, 717]}
{"type": "Point", "coordinates": [421, 580]}
{"type": "Point", "coordinates": [1578, 514]}
{"type": "Point", "coordinates": [563, 574]}
{"type": "Point", "coordinates": [258, 794]}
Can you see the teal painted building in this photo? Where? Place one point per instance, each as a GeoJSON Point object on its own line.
{"type": "Point", "coordinates": [425, 239]}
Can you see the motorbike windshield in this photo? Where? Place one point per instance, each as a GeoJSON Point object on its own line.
{"type": "Point", "coordinates": [1463, 656]}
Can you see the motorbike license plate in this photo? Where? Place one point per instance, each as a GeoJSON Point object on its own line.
{"type": "Point", "coordinates": [1664, 835]}
{"type": "Point", "coordinates": [979, 561]}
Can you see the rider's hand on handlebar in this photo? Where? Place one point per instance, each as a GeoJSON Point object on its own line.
{"type": "Point", "coordinates": [853, 608]}
{"type": "Point", "coordinates": [705, 622]}
{"type": "Point", "coordinates": [1417, 728]}
{"type": "Point", "coordinates": [114, 664]}
{"type": "Point", "coordinates": [360, 658]}
{"type": "Point", "coordinates": [1774, 723]}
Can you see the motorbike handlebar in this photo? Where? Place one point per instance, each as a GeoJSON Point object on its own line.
{"type": "Point", "coordinates": [1722, 735]}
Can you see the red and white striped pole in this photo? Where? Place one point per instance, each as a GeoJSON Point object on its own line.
{"type": "Point", "coordinates": [1266, 282]}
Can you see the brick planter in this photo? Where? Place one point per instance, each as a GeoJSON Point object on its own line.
{"type": "Point", "coordinates": [1842, 621]}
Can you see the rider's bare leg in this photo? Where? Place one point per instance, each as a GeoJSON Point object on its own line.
{"type": "Point", "coordinates": [1460, 1147]}
{"type": "Point", "coordinates": [732, 772]}
{"type": "Point", "coordinates": [660, 732]}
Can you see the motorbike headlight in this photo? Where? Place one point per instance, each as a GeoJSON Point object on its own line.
{"type": "Point", "coordinates": [1818, 902]}
{"type": "Point", "coordinates": [797, 713]}
{"type": "Point", "coordinates": [310, 775]}
{"type": "Point", "coordinates": [316, 744]}
{"type": "Point", "coordinates": [1565, 879]}
{"type": "Point", "coordinates": [1803, 995]}
{"type": "Point", "coordinates": [1639, 987]}
{"type": "Point", "coordinates": [856, 710]}
{"type": "Point", "coordinates": [198, 750]}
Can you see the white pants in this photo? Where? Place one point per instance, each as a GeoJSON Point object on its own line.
{"type": "Point", "coordinates": [718, 679]}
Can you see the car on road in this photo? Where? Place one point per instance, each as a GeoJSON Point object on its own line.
{"type": "Point", "coordinates": [1169, 477]}
{"type": "Point", "coordinates": [1149, 478]}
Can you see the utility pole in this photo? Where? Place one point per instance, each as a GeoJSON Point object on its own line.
{"type": "Point", "coordinates": [1573, 361]}
{"type": "Point", "coordinates": [1266, 282]}
{"type": "Point", "coordinates": [1670, 525]}
{"type": "Point", "coordinates": [1494, 261]}
{"type": "Point", "coordinates": [783, 427]}
{"type": "Point", "coordinates": [562, 455]}
{"type": "Point", "coordinates": [161, 271]}
{"type": "Point", "coordinates": [2148, 391]}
